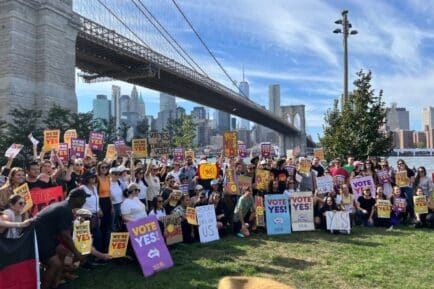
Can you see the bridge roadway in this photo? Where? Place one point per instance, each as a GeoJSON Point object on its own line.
{"type": "Point", "coordinates": [102, 52]}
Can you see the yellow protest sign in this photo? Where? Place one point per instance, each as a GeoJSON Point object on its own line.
{"type": "Point", "coordinates": [140, 148]}
{"type": "Point", "coordinates": [402, 179]}
{"type": "Point", "coordinates": [319, 153]}
{"type": "Point", "coordinates": [68, 135]}
{"type": "Point", "coordinates": [420, 205]}
{"type": "Point", "coordinates": [230, 144]}
{"type": "Point", "coordinates": [261, 179]}
{"type": "Point", "coordinates": [24, 192]}
{"type": "Point", "coordinates": [208, 171]}
{"type": "Point", "coordinates": [51, 139]}
{"type": "Point", "coordinates": [231, 185]}
{"type": "Point", "coordinates": [111, 152]}
{"type": "Point", "coordinates": [383, 209]}
{"type": "Point", "coordinates": [82, 237]}
{"type": "Point", "coordinates": [190, 214]}
{"type": "Point", "coordinates": [260, 211]}
{"type": "Point", "coordinates": [118, 244]}
{"type": "Point", "coordinates": [305, 166]}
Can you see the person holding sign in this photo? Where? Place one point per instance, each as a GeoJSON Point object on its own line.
{"type": "Point", "coordinates": [16, 178]}
{"type": "Point", "coordinates": [365, 208]}
{"type": "Point", "coordinates": [132, 208]}
{"type": "Point", "coordinates": [424, 219]}
{"type": "Point", "coordinates": [406, 185]}
{"type": "Point", "coordinates": [424, 182]}
{"type": "Point", "coordinates": [399, 207]}
{"type": "Point", "coordinates": [14, 214]}
{"type": "Point", "coordinates": [181, 209]}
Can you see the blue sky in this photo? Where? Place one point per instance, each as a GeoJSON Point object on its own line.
{"type": "Point", "coordinates": [290, 43]}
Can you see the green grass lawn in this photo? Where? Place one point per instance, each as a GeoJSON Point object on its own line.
{"type": "Point", "coordinates": [368, 258]}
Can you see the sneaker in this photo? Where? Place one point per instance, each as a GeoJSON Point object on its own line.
{"type": "Point", "coordinates": [389, 229]}
{"type": "Point", "coordinates": [240, 235]}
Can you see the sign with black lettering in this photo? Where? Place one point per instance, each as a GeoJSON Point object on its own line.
{"type": "Point", "coordinates": [207, 220]}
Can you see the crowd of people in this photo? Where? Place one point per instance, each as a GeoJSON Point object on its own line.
{"type": "Point", "coordinates": [111, 193]}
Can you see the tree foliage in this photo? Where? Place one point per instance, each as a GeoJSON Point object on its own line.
{"type": "Point", "coordinates": [356, 130]}
{"type": "Point", "coordinates": [182, 131]}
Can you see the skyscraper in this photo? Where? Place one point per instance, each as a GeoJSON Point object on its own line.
{"type": "Point", "coordinates": [124, 105]}
{"type": "Point", "coordinates": [274, 99]}
{"type": "Point", "coordinates": [397, 118]}
{"type": "Point", "coordinates": [142, 107]}
{"type": "Point", "coordinates": [198, 113]}
{"type": "Point", "coordinates": [116, 95]}
{"type": "Point", "coordinates": [134, 101]}
{"type": "Point", "coordinates": [223, 121]}
{"type": "Point", "coordinates": [244, 91]}
{"type": "Point", "coordinates": [427, 117]}
{"type": "Point", "coordinates": [167, 102]}
{"type": "Point", "coordinates": [101, 107]}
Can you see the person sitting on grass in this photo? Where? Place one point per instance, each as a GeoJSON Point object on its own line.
{"type": "Point", "coordinates": [347, 201]}
{"type": "Point", "coordinates": [366, 208]}
{"type": "Point", "coordinates": [329, 205]}
{"type": "Point", "coordinates": [380, 222]}
{"type": "Point", "coordinates": [181, 209]}
{"type": "Point", "coordinates": [219, 207]}
{"type": "Point", "coordinates": [399, 207]}
{"type": "Point", "coordinates": [426, 219]}
{"type": "Point", "coordinates": [244, 213]}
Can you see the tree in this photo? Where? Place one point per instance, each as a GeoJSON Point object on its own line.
{"type": "Point", "coordinates": [142, 127]}
{"type": "Point", "coordinates": [182, 131]}
{"type": "Point", "coordinates": [83, 123]}
{"type": "Point", "coordinates": [58, 118]}
{"type": "Point", "coordinates": [356, 130]}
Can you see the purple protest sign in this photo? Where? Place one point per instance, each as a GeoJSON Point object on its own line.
{"type": "Point", "coordinates": [96, 141]}
{"type": "Point", "coordinates": [178, 154]}
{"type": "Point", "coordinates": [242, 150]}
{"type": "Point", "coordinates": [149, 246]}
{"type": "Point", "coordinates": [77, 147]}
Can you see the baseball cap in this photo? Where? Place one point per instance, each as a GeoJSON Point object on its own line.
{"type": "Point", "coordinates": [133, 186]}
{"type": "Point", "coordinates": [78, 193]}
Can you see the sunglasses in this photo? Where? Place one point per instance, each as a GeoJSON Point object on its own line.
{"type": "Point", "coordinates": [137, 190]}
{"type": "Point", "coordinates": [79, 165]}
{"type": "Point", "coordinates": [116, 174]}
{"type": "Point", "coordinates": [159, 201]}
{"type": "Point", "coordinates": [21, 203]}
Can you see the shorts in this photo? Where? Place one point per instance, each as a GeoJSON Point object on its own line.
{"type": "Point", "coordinates": [46, 247]}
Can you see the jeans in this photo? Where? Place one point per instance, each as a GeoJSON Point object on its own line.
{"type": "Point", "coordinates": [116, 218]}
{"type": "Point", "coordinates": [408, 191]}
{"type": "Point", "coordinates": [364, 218]}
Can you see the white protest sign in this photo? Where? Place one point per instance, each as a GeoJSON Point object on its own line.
{"type": "Point", "coordinates": [207, 221]}
{"type": "Point", "coordinates": [13, 150]}
{"type": "Point", "coordinates": [338, 221]}
{"type": "Point", "coordinates": [32, 139]}
{"type": "Point", "coordinates": [302, 211]}
{"type": "Point", "coordinates": [324, 184]}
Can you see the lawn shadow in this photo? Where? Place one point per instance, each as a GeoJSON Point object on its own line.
{"type": "Point", "coordinates": [294, 263]}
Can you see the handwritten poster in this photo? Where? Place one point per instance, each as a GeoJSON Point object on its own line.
{"type": "Point", "coordinates": [338, 221]}
{"type": "Point", "coordinates": [207, 220]}
{"type": "Point", "coordinates": [324, 185]}
{"type": "Point", "coordinates": [172, 229]}
{"type": "Point", "coordinates": [231, 185]}
{"type": "Point", "coordinates": [305, 165]}
{"type": "Point", "coordinates": [260, 211]}
{"type": "Point", "coordinates": [13, 150]}
{"type": "Point", "coordinates": [190, 215]}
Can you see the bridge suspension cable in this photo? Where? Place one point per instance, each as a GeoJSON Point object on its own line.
{"type": "Point", "coordinates": [206, 47]}
{"type": "Point", "coordinates": [179, 47]}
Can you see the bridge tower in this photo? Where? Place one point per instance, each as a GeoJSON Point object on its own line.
{"type": "Point", "coordinates": [295, 115]}
{"type": "Point", "coordinates": [37, 54]}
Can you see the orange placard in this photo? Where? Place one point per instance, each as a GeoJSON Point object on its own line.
{"type": "Point", "coordinates": [208, 171]}
{"type": "Point", "coordinates": [230, 144]}
{"type": "Point", "coordinates": [140, 148]}
{"type": "Point", "coordinates": [51, 139]}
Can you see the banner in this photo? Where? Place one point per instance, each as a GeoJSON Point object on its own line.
{"type": "Point", "coordinates": [207, 171]}
{"type": "Point", "coordinates": [78, 147]}
{"type": "Point", "coordinates": [148, 244]}
{"type": "Point", "coordinates": [261, 179]}
{"type": "Point", "coordinates": [172, 229]}
{"type": "Point", "coordinates": [399, 205]}
{"type": "Point", "coordinates": [190, 215]}
{"type": "Point", "coordinates": [324, 184]}
{"type": "Point", "coordinates": [260, 217]}
{"type": "Point", "coordinates": [110, 154]}
{"type": "Point", "coordinates": [277, 214]}
{"type": "Point", "coordinates": [51, 140]}
{"type": "Point", "coordinates": [420, 205]}
{"type": "Point", "coordinates": [338, 221]}
{"type": "Point", "coordinates": [178, 154]}
{"type": "Point", "coordinates": [140, 148]}
{"type": "Point", "coordinates": [13, 150]}
{"type": "Point", "coordinates": [244, 181]}
{"type": "Point", "coordinates": [82, 237]}
{"type": "Point", "coordinates": [383, 177]}
{"type": "Point", "coordinates": [383, 209]}
{"type": "Point", "coordinates": [266, 150]}
{"type": "Point", "coordinates": [118, 244]}
{"type": "Point", "coordinates": [302, 211]}
{"type": "Point", "coordinates": [242, 151]}
{"type": "Point", "coordinates": [24, 192]}
{"type": "Point", "coordinates": [319, 153]}
{"type": "Point", "coordinates": [207, 220]}
{"type": "Point", "coordinates": [96, 141]}
{"type": "Point", "coordinates": [359, 184]}
{"type": "Point", "coordinates": [230, 143]}
{"type": "Point", "coordinates": [305, 165]}
{"type": "Point", "coordinates": [63, 152]}
{"type": "Point", "coordinates": [41, 198]}
{"type": "Point", "coordinates": [69, 135]}
{"type": "Point", "coordinates": [231, 185]}
{"type": "Point", "coordinates": [402, 179]}
{"type": "Point", "coordinates": [159, 143]}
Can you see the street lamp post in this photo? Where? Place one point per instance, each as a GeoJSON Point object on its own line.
{"type": "Point", "coordinates": [346, 26]}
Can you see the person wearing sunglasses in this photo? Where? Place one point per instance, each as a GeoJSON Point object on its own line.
{"type": "Point", "coordinates": [408, 188]}
{"type": "Point", "coordinates": [73, 174]}
{"type": "Point", "coordinates": [15, 214]}
{"type": "Point", "coordinates": [424, 182]}
{"type": "Point", "coordinates": [132, 208]}
{"type": "Point", "coordinates": [105, 203]}
{"type": "Point", "coordinates": [116, 198]}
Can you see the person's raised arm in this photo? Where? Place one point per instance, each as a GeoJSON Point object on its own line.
{"type": "Point", "coordinates": [149, 166]}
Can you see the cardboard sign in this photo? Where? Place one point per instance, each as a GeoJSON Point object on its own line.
{"type": "Point", "coordinates": [261, 179]}
{"type": "Point", "coordinates": [82, 237]}
{"type": "Point", "coordinates": [78, 147]}
{"type": "Point", "coordinates": [207, 171]}
{"type": "Point", "coordinates": [189, 154]}
{"type": "Point", "coordinates": [244, 181]}
{"type": "Point", "coordinates": [266, 150]}
{"type": "Point", "coordinates": [13, 150]}
{"type": "Point", "coordinates": [383, 177]}
{"type": "Point", "coordinates": [32, 139]}
{"type": "Point", "coordinates": [359, 184]}
{"type": "Point", "coordinates": [159, 143]}
{"type": "Point", "coordinates": [63, 152]}
{"type": "Point", "coordinates": [207, 220]}
{"type": "Point", "coordinates": [277, 212]}
{"type": "Point", "coordinates": [118, 244]}
{"type": "Point", "coordinates": [51, 139]}
{"type": "Point", "coordinates": [140, 148]}
{"type": "Point", "coordinates": [230, 143]}
{"type": "Point", "coordinates": [319, 153]}
{"type": "Point", "coordinates": [172, 229]}
{"type": "Point", "coordinates": [402, 179]}
{"type": "Point", "coordinates": [420, 205]}
{"type": "Point", "coordinates": [190, 215]}
{"type": "Point", "coordinates": [178, 154]}
{"type": "Point", "coordinates": [96, 141]}
{"type": "Point", "coordinates": [302, 211]}
{"type": "Point", "coordinates": [242, 151]}
{"type": "Point", "coordinates": [383, 209]}
{"type": "Point", "coordinates": [148, 244]}
{"type": "Point", "coordinates": [305, 165]}
{"type": "Point", "coordinates": [399, 205]}
{"type": "Point", "coordinates": [260, 211]}
{"type": "Point", "coordinates": [44, 197]}
{"type": "Point", "coordinates": [69, 135]}
{"type": "Point", "coordinates": [338, 221]}
{"type": "Point", "coordinates": [231, 185]}
{"type": "Point", "coordinates": [110, 154]}
{"type": "Point", "coordinates": [324, 185]}
{"type": "Point", "coordinates": [24, 192]}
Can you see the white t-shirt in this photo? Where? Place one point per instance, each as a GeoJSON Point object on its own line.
{"type": "Point", "coordinates": [175, 175]}
{"type": "Point", "coordinates": [13, 233]}
{"type": "Point", "coordinates": [116, 193]}
{"type": "Point", "coordinates": [143, 190]}
{"type": "Point", "coordinates": [153, 187]}
{"type": "Point", "coordinates": [134, 208]}
{"type": "Point", "coordinates": [92, 202]}
{"type": "Point", "coordinates": [159, 214]}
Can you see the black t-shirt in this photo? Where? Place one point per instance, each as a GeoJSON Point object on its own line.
{"type": "Point", "coordinates": [280, 175]}
{"type": "Point", "coordinates": [54, 219]}
{"type": "Point", "coordinates": [319, 169]}
{"type": "Point", "coordinates": [73, 183]}
{"type": "Point", "coordinates": [41, 184]}
{"type": "Point", "coordinates": [366, 204]}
